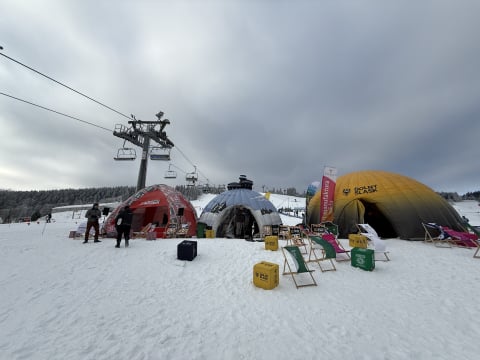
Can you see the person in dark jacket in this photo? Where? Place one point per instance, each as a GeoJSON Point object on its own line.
{"type": "Point", "coordinates": [93, 215]}
{"type": "Point", "coordinates": [123, 223]}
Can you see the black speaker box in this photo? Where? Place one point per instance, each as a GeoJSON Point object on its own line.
{"type": "Point", "coordinates": [187, 250]}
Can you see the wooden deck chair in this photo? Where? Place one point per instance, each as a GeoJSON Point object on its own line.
{"type": "Point", "coordinates": [266, 231]}
{"type": "Point", "coordinates": [283, 232]}
{"type": "Point", "coordinates": [317, 229]}
{"type": "Point", "coordinates": [143, 231]}
{"type": "Point", "coordinates": [327, 253]}
{"type": "Point", "coordinates": [294, 259]}
{"type": "Point", "coordinates": [306, 232]}
{"type": "Point", "coordinates": [477, 255]}
{"type": "Point", "coordinates": [474, 230]}
{"type": "Point", "coordinates": [435, 235]}
{"type": "Point", "coordinates": [378, 244]}
{"type": "Point", "coordinates": [461, 238]}
{"type": "Point", "coordinates": [171, 231]}
{"type": "Point", "coordinates": [330, 227]}
{"type": "Point", "coordinates": [182, 232]}
{"type": "Point", "coordinates": [444, 235]}
{"type": "Point", "coordinates": [338, 247]}
{"type": "Point", "coordinates": [296, 238]}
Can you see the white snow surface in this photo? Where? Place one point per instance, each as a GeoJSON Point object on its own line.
{"type": "Point", "coordinates": [61, 299]}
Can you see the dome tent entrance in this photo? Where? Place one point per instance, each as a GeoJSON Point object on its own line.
{"type": "Point", "coordinates": [160, 205]}
{"type": "Point", "coordinates": [394, 205]}
{"type": "Point", "coordinates": [368, 213]}
{"type": "Point", "coordinates": [228, 223]}
{"type": "Point", "coordinates": [239, 204]}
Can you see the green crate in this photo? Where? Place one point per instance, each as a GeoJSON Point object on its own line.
{"type": "Point", "coordinates": [363, 258]}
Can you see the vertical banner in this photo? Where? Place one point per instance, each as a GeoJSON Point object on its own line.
{"type": "Point", "coordinates": [327, 193]}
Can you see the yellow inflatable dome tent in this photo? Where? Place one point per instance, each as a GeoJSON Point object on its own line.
{"type": "Point", "coordinates": [394, 205]}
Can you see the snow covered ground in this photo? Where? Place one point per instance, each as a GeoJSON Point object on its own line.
{"type": "Point", "coordinates": [61, 299]}
{"type": "Point", "coordinates": [470, 209]}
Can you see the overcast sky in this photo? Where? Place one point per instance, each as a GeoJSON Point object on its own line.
{"type": "Point", "coordinates": [275, 90]}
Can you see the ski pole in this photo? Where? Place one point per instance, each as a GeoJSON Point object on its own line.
{"type": "Point", "coordinates": [44, 226]}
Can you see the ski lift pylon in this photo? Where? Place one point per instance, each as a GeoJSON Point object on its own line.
{"type": "Point", "coordinates": [125, 154]}
{"type": "Point", "coordinates": [159, 153]}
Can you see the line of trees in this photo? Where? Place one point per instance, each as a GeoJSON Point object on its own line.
{"type": "Point", "coordinates": [18, 205]}
{"type": "Point", "coordinates": [475, 195]}
{"type": "Point", "coordinates": [472, 195]}
{"type": "Point", "coordinates": [15, 205]}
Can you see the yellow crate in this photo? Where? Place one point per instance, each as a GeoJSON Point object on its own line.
{"type": "Point", "coordinates": [210, 234]}
{"type": "Point", "coordinates": [265, 275]}
{"type": "Point", "coordinates": [358, 241]}
{"type": "Point", "coordinates": [271, 242]}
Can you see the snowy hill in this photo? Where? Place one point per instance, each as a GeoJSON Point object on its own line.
{"type": "Point", "coordinates": [62, 299]}
{"type": "Point", "coordinates": [470, 209]}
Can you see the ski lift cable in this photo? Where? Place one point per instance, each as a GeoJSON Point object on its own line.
{"type": "Point", "coordinates": [66, 86]}
{"type": "Point", "coordinates": [189, 161]}
{"type": "Point", "coordinates": [79, 93]}
{"type": "Point", "coordinates": [100, 127]}
{"type": "Point", "coordinates": [176, 167]}
{"type": "Point", "coordinates": [82, 94]}
{"type": "Point", "coordinates": [56, 112]}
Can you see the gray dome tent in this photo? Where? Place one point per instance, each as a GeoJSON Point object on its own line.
{"type": "Point", "coordinates": [221, 211]}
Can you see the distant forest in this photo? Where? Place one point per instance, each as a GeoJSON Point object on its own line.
{"type": "Point", "coordinates": [17, 205]}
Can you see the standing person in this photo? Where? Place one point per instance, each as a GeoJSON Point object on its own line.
{"type": "Point", "coordinates": [123, 223]}
{"type": "Point", "coordinates": [239, 223]}
{"type": "Point", "coordinates": [248, 224]}
{"type": "Point", "coordinates": [93, 215]}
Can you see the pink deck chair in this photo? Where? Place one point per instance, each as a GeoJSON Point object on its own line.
{"type": "Point", "coordinates": [339, 249]}
{"type": "Point", "coordinates": [463, 239]}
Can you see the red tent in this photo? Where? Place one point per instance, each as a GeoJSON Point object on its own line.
{"type": "Point", "coordinates": [160, 205]}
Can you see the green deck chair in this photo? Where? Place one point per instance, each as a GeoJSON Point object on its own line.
{"type": "Point", "coordinates": [295, 259]}
{"type": "Point", "coordinates": [327, 253]}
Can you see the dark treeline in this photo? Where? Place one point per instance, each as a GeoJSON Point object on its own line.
{"type": "Point", "coordinates": [475, 195]}
{"type": "Point", "coordinates": [472, 195]}
{"type": "Point", "coordinates": [18, 205]}
{"type": "Point", "coordinates": [15, 205]}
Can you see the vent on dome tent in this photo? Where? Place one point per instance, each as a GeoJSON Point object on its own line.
{"type": "Point", "coordinates": [243, 183]}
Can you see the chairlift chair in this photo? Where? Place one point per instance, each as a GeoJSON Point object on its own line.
{"type": "Point", "coordinates": [170, 174]}
{"type": "Point", "coordinates": [191, 177]}
{"type": "Point", "coordinates": [159, 153]}
{"type": "Point", "coordinates": [125, 154]}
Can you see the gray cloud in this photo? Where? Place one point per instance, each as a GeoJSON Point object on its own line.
{"type": "Point", "coordinates": [274, 90]}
